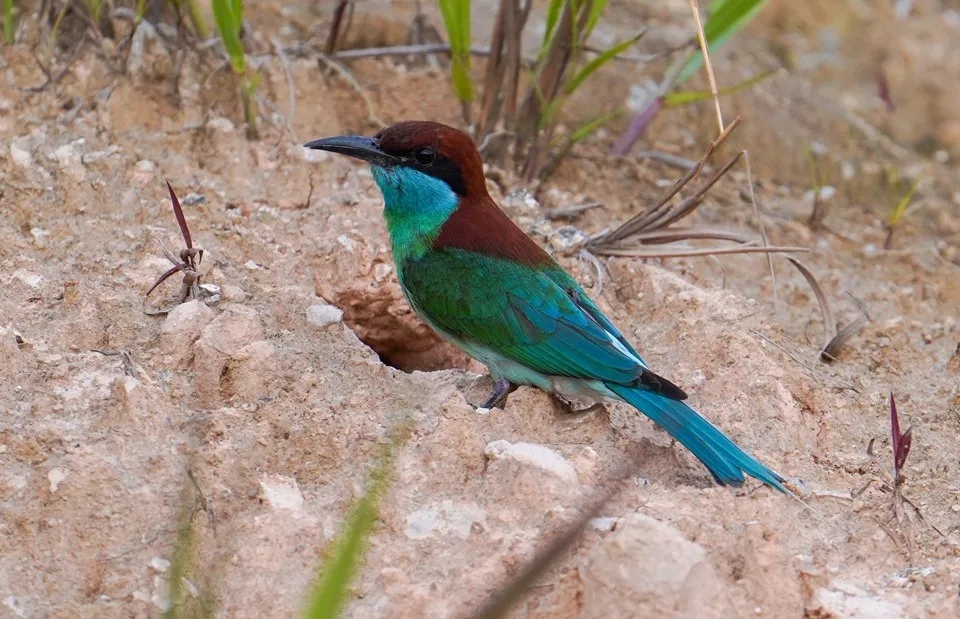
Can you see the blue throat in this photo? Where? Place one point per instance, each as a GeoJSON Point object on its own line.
{"type": "Point", "coordinates": [416, 206]}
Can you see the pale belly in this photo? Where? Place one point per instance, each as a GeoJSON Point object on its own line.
{"type": "Point", "coordinates": [519, 374]}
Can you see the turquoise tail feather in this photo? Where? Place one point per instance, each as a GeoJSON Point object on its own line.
{"type": "Point", "coordinates": [724, 459]}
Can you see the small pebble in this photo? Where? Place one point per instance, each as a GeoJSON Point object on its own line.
{"type": "Point", "coordinates": [159, 565]}
{"type": "Point", "coordinates": [324, 315]}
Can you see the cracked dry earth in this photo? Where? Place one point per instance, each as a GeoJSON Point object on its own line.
{"type": "Point", "coordinates": [277, 397]}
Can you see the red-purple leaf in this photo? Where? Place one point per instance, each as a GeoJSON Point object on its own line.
{"type": "Point", "coordinates": [163, 278]}
{"type": "Point", "coordinates": [178, 212]}
{"type": "Point", "coordinates": [894, 426]}
{"type": "Point", "coordinates": [903, 450]}
{"type": "Point", "coordinates": [637, 127]}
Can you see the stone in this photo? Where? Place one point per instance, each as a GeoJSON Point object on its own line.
{"type": "Point", "coordinates": [252, 370]}
{"type": "Point", "coordinates": [443, 518]}
{"type": "Point", "coordinates": [182, 327]}
{"type": "Point", "coordinates": [222, 339]}
{"type": "Point", "coordinates": [841, 600]}
{"type": "Point", "coordinates": [323, 315]}
{"type": "Point", "coordinates": [647, 568]}
{"type": "Point", "coordinates": [281, 492]}
{"type": "Point", "coordinates": [531, 454]}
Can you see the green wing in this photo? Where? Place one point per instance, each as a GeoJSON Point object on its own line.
{"type": "Point", "coordinates": [540, 318]}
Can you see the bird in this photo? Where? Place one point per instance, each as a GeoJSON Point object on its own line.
{"type": "Point", "coordinates": [481, 283]}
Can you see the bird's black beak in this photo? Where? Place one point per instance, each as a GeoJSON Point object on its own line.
{"type": "Point", "coordinates": [358, 146]}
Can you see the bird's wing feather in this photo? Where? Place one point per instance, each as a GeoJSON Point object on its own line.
{"type": "Point", "coordinates": [539, 319]}
{"type": "Point", "coordinates": [586, 304]}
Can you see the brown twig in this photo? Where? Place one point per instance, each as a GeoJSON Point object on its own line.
{"type": "Point", "coordinates": [496, 67]}
{"type": "Point", "coordinates": [829, 323]}
{"type": "Point", "coordinates": [336, 27]}
{"type": "Point", "coordinates": [529, 140]}
{"type": "Point", "coordinates": [801, 362]}
{"type": "Point", "coordinates": [562, 212]}
{"type": "Point", "coordinates": [504, 597]}
{"type": "Point", "coordinates": [832, 349]}
{"type": "Point", "coordinates": [742, 248]}
{"type": "Point", "coordinates": [54, 78]}
{"type": "Point", "coordinates": [652, 225]}
{"type": "Point", "coordinates": [661, 214]}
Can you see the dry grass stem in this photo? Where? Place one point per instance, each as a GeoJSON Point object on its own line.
{"type": "Point", "coordinates": [705, 49]}
{"type": "Point", "coordinates": [562, 212]}
{"type": "Point", "coordinates": [829, 323]}
{"type": "Point", "coordinates": [763, 232]}
{"type": "Point", "coordinates": [840, 382]}
{"type": "Point", "coordinates": [743, 248]}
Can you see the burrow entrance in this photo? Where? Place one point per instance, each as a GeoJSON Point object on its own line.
{"type": "Point", "coordinates": [387, 325]}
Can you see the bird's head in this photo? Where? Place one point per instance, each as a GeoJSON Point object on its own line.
{"type": "Point", "coordinates": [434, 192]}
{"type": "Point", "coordinates": [428, 159]}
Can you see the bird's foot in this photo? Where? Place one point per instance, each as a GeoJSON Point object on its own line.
{"type": "Point", "coordinates": [498, 397]}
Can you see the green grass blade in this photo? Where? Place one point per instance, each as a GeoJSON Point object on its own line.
{"type": "Point", "coordinates": [726, 19]}
{"type": "Point", "coordinates": [588, 128]}
{"type": "Point", "coordinates": [693, 96]}
{"type": "Point", "coordinates": [331, 589]}
{"type": "Point", "coordinates": [901, 208]}
{"type": "Point", "coordinates": [549, 110]}
{"type": "Point", "coordinates": [180, 562]}
{"type": "Point", "coordinates": [184, 559]}
{"type": "Point", "coordinates": [595, 10]}
{"type": "Point", "coordinates": [465, 27]}
{"type": "Point", "coordinates": [229, 28]}
{"type": "Point", "coordinates": [729, 16]}
{"type": "Point", "coordinates": [456, 20]}
{"type": "Point", "coordinates": [563, 145]}
{"type": "Point", "coordinates": [591, 67]}
{"type": "Point", "coordinates": [196, 18]}
{"type": "Point", "coordinates": [462, 84]}
{"type": "Point", "coordinates": [553, 14]}
{"type": "Point", "coordinates": [8, 31]}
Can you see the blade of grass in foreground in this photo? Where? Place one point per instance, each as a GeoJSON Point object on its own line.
{"type": "Point", "coordinates": [8, 21]}
{"type": "Point", "coordinates": [331, 589]}
{"type": "Point", "coordinates": [185, 555]}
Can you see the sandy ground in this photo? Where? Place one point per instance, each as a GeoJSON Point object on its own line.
{"type": "Point", "coordinates": [277, 396]}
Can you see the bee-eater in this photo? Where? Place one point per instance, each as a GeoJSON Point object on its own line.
{"type": "Point", "coordinates": [471, 274]}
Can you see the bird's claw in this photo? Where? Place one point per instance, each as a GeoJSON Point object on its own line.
{"type": "Point", "coordinates": [498, 397]}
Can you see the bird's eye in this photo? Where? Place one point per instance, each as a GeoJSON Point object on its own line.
{"type": "Point", "coordinates": [425, 156]}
